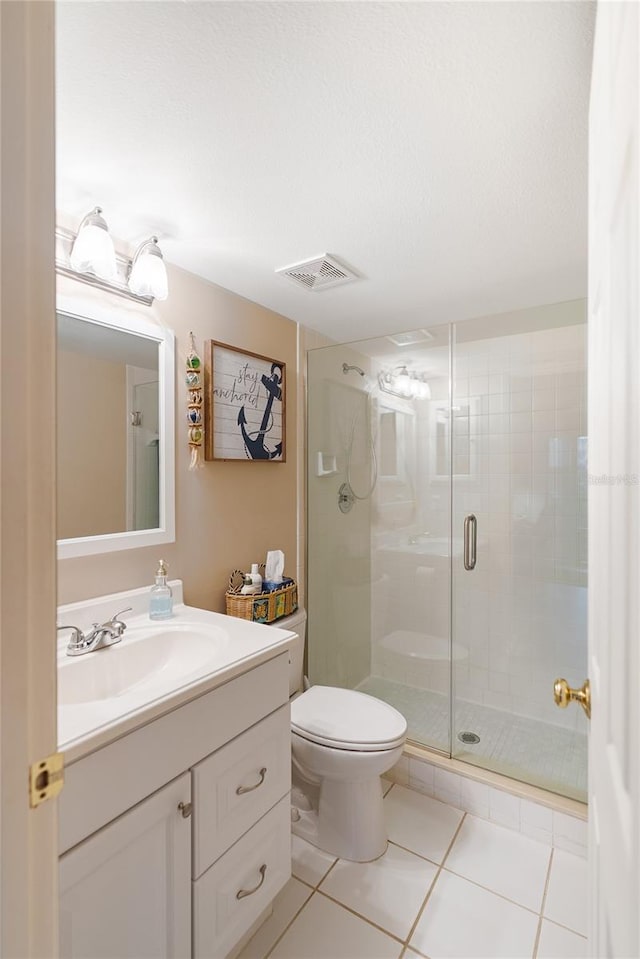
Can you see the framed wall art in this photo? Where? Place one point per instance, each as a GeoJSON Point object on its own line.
{"type": "Point", "coordinates": [245, 405]}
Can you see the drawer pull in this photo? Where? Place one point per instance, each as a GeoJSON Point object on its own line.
{"type": "Point", "coordinates": [242, 893]}
{"type": "Point", "coordinates": [185, 809]}
{"type": "Point", "coordinates": [241, 790]}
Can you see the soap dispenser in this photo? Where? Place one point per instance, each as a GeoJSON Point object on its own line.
{"type": "Point", "coordinates": [161, 599]}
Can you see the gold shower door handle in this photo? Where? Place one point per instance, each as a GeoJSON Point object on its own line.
{"type": "Point", "coordinates": [564, 694]}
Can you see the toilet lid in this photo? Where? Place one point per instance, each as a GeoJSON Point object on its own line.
{"type": "Point", "coordinates": [346, 719]}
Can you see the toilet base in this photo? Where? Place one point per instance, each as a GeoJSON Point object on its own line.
{"type": "Point", "coordinates": [349, 822]}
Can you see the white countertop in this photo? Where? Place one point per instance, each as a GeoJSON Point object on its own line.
{"type": "Point", "coordinates": [87, 722]}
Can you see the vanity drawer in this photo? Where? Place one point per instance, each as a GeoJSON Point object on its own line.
{"type": "Point", "coordinates": [233, 893]}
{"type": "Point", "coordinates": [237, 785]}
{"type": "Point", "coordinates": [104, 784]}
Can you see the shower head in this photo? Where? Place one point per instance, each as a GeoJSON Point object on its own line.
{"type": "Point", "coordinates": [346, 368]}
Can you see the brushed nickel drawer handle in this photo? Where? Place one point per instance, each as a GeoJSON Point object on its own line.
{"type": "Point", "coordinates": [242, 893]}
{"type": "Point", "coordinates": [241, 790]}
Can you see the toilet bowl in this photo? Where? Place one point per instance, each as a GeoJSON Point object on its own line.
{"type": "Point", "coordinates": [342, 741]}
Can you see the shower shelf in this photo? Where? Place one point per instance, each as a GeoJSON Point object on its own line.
{"type": "Point", "coordinates": [325, 464]}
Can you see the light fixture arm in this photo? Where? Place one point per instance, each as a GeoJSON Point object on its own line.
{"type": "Point", "coordinates": [95, 218]}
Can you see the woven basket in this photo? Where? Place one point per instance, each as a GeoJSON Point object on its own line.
{"type": "Point", "coordinates": [261, 607]}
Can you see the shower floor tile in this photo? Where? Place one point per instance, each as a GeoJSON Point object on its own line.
{"type": "Point", "coordinates": [527, 749]}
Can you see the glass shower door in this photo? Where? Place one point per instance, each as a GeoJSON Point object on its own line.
{"type": "Point", "coordinates": [519, 614]}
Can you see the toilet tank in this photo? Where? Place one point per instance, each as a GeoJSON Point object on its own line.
{"type": "Point", "coordinates": [296, 623]}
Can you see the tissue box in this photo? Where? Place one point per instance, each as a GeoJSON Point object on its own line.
{"type": "Point", "coordinates": [268, 587]}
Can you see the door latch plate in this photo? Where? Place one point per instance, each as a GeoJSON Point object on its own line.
{"type": "Point", "coordinates": [46, 779]}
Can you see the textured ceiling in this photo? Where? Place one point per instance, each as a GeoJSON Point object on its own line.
{"type": "Point", "coordinates": [439, 149]}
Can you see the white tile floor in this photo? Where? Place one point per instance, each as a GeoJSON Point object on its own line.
{"type": "Point", "coordinates": [450, 886]}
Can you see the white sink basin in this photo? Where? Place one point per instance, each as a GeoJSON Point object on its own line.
{"type": "Point", "coordinates": [143, 657]}
{"type": "Point", "coordinates": [154, 668]}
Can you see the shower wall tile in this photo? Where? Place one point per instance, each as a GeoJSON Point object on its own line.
{"type": "Point", "coordinates": [504, 809]}
{"type": "Point", "coordinates": [474, 797]}
{"type": "Point", "coordinates": [446, 786]}
{"type": "Point", "coordinates": [536, 821]}
{"type": "Point", "coordinates": [421, 776]}
{"type": "Point", "coordinates": [576, 848]}
{"type": "Point", "coordinates": [569, 832]}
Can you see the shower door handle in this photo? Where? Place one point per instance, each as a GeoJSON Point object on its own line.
{"type": "Point", "coordinates": [470, 541]}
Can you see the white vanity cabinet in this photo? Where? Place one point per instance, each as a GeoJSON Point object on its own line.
{"type": "Point", "coordinates": [124, 892]}
{"type": "Point", "coordinates": [176, 837]}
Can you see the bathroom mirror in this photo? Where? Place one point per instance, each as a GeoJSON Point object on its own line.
{"type": "Point", "coordinates": [115, 431]}
{"type": "Point", "coordinates": [396, 439]}
{"type": "Point", "coordinates": [462, 460]}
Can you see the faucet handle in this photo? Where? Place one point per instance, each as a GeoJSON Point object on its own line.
{"type": "Point", "coordinates": [115, 619]}
{"type": "Point", "coordinates": [77, 640]}
{"type": "Point", "coordinates": [116, 623]}
{"type": "Point", "coordinates": [128, 609]}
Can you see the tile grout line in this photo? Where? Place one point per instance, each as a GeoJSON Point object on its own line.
{"type": "Point", "coordinates": [440, 868]}
{"type": "Point", "coordinates": [289, 924]}
{"type": "Point", "coordinates": [542, 905]}
{"type": "Point", "coordinates": [433, 884]}
{"type": "Point", "coordinates": [359, 915]}
{"type": "Point", "coordinates": [398, 845]}
{"type": "Point", "coordinates": [370, 922]}
{"type": "Point", "coordinates": [321, 892]}
{"type": "Point", "coordinates": [561, 925]}
{"type": "Point", "coordinates": [473, 882]}
{"type": "Point", "coordinates": [314, 889]}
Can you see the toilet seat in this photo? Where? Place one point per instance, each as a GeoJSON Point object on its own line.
{"type": "Point", "coordinates": [346, 719]}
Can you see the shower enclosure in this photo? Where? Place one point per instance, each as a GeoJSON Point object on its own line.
{"type": "Point", "coordinates": [447, 506]}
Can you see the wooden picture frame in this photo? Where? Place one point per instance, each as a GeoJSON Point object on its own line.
{"type": "Point", "coordinates": [244, 405]}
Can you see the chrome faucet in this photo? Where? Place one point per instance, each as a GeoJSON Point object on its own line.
{"type": "Point", "coordinates": [100, 635]}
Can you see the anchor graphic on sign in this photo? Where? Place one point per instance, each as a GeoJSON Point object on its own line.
{"type": "Point", "coordinates": [254, 442]}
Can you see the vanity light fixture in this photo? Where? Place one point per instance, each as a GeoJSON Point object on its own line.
{"type": "Point", "coordinates": [89, 256]}
{"type": "Point", "coordinates": [148, 274]}
{"type": "Point", "coordinates": [405, 383]}
{"type": "Point", "coordinates": [92, 250]}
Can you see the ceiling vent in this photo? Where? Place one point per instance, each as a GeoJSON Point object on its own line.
{"type": "Point", "coordinates": [410, 339]}
{"type": "Point", "coordinates": [319, 273]}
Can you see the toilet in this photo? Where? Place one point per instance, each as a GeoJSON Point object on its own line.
{"type": "Point", "coordinates": [342, 741]}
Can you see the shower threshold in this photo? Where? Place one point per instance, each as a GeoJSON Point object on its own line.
{"type": "Point", "coordinates": [527, 750]}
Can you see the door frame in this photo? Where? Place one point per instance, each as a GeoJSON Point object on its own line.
{"type": "Point", "coordinates": [28, 733]}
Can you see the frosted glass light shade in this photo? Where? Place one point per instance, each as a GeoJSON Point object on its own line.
{"type": "Point", "coordinates": [92, 250]}
{"type": "Point", "coordinates": [148, 276]}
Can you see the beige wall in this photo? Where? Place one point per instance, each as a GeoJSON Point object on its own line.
{"type": "Point", "coordinates": [91, 484]}
{"type": "Point", "coordinates": [227, 514]}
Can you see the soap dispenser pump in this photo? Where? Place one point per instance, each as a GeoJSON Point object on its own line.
{"type": "Point", "coordinates": [161, 599]}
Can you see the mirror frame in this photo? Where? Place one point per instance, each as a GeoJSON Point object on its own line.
{"type": "Point", "coordinates": [138, 326]}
